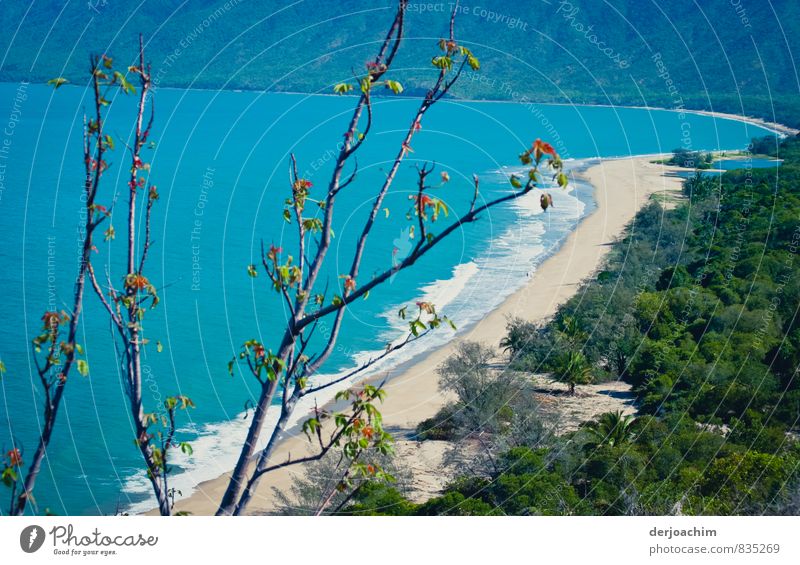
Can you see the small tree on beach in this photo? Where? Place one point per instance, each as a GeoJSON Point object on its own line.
{"type": "Point", "coordinates": [572, 368]}
{"type": "Point", "coordinates": [611, 428]}
{"type": "Point", "coordinates": [569, 329]}
{"type": "Point", "coordinates": [519, 335]}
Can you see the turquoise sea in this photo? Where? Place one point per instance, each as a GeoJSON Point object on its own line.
{"type": "Point", "coordinates": [221, 165]}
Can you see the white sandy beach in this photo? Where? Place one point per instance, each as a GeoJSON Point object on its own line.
{"type": "Point", "coordinates": [622, 186]}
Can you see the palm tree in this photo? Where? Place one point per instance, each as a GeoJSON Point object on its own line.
{"type": "Point", "coordinates": [570, 329]}
{"type": "Point", "coordinates": [611, 429]}
{"type": "Point", "coordinates": [572, 369]}
{"type": "Point", "coordinates": [520, 335]}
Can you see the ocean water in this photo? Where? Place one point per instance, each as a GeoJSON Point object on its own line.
{"type": "Point", "coordinates": [756, 163]}
{"type": "Point", "coordinates": [221, 164]}
{"type": "Point", "coordinates": [721, 166]}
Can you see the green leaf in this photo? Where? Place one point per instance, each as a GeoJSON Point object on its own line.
{"type": "Point", "coordinates": [159, 347]}
{"type": "Point", "coordinates": [186, 448]}
{"type": "Point", "coordinates": [126, 86]}
{"type": "Point", "coordinates": [286, 215]}
{"type": "Point", "coordinates": [416, 326]}
{"type": "Point", "coordinates": [251, 270]}
{"type": "Point", "coordinates": [342, 88]}
{"type": "Point", "coordinates": [312, 224]}
{"type": "Point", "coordinates": [57, 82]}
{"type": "Point", "coordinates": [442, 62]}
{"type": "Point", "coordinates": [83, 367]}
{"type": "Point", "coordinates": [9, 476]}
{"type": "Point", "coordinates": [394, 86]}
{"type": "Point", "coordinates": [310, 426]}
{"type": "Point", "coordinates": [514, 179]}
{"type": "Point", "coordinates": [562, 179]}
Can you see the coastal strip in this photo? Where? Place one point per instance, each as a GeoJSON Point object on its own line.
{"type": "Point", "coordinates": [622, 186]}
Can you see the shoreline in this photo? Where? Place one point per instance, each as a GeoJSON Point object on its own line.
{"type": "Point", "coordinates": [774, 127]}
{"type": "Point", "coordinates": [412, 390]}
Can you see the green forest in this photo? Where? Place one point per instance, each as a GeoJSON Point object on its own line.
{"type": "Point", "coordinates": [664, 54]}
{"type": "Point", "coordinates": [696, 309]}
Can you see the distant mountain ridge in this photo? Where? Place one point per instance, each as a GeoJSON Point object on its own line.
{"type": "Point", "coordinates": [727, 55]}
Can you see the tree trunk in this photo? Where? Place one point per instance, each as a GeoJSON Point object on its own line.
{"type": "Point", "coordinates": [228, 503]}
{"type": "Point", "coordinates": [252, 484]}
{"type": "Point", "coordinates": [52, 410]}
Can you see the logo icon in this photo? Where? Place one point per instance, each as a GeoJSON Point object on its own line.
{"type": "Point", "coordinates": [31, 539]}
{"type": "Point", "coordinates": [401, 248]}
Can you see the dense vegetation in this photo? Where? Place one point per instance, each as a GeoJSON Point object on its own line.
{"type": "Point", "coordinates": [690, 159]}
{"type": "Point", "coordinates": [711, 55]}
{"type": "Point", "coordinates": [696, 309]}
